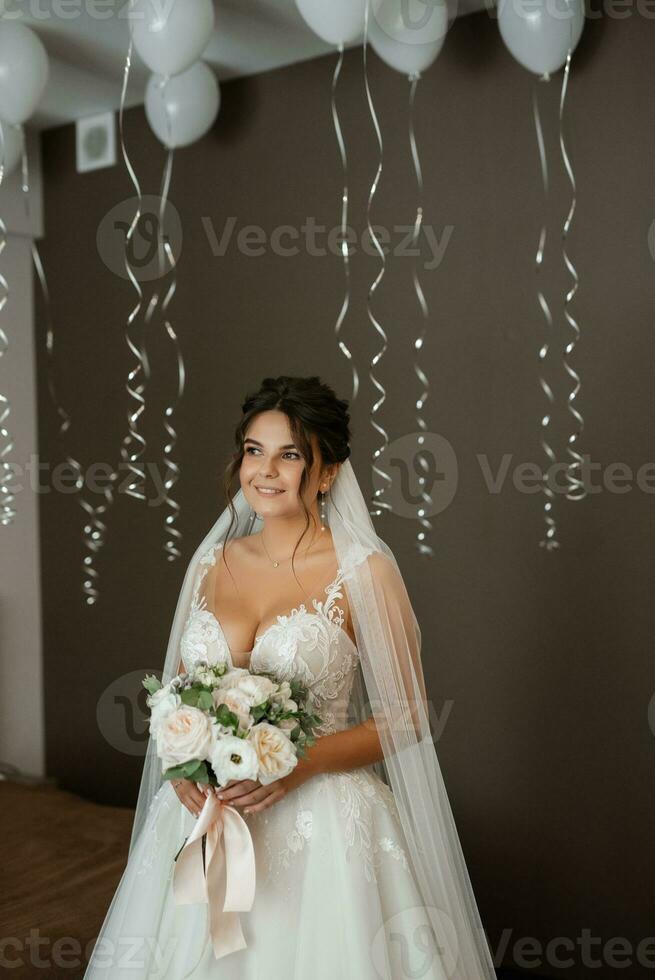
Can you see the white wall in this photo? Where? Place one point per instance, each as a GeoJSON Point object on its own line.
{"type": "Point", "coordinates": [22, 736]}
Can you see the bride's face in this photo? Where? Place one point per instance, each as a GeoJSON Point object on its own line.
{"type": "Point", "coordinates": [270, 459]}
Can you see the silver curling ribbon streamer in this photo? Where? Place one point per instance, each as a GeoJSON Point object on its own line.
{"type": "Point", "coordinates": [381, 505]}
{"type": "Point", "coordinates": [165, 255]}
{"type": "Point", "coordinates": [344, 226]}
{"type": "Point", "coordinates": [422, 546]}
{"type": "Point", "coordinates": [7, 510]}
{"type": "Point", "coordinates": [576, 482]}
{"type": "Point", "coordinates": [549, 542]}
{"type": "Point", "coordinates": [172, 470]}
{"type": "Point", "coordinates": [131, 454]}
{"type": "Point", "coordinates": [93, 531]}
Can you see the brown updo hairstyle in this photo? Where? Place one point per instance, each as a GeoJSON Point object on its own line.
{"type": "Point", "coordinates": [312, 408]}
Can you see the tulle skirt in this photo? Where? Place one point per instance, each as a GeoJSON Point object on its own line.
{"type": "Point", "coordinates": [335, 895]}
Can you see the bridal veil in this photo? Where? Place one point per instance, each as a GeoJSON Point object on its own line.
{"type": "Point", "coordinates": [390, 689]}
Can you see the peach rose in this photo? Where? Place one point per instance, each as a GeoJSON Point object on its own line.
{"type": "Point", "coordinates": [184, 734]}
{"type": "Point", "coordinates": [275, 752]}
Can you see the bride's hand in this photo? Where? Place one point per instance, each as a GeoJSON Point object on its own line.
{"type": "Point", "coordinates": [251, 794]}
{"type": "Point", "coordinates": [190, 795]}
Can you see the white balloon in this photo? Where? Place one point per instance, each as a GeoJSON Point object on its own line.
{"type": "Point", "coordinates": [171, 35]}
{"type": "Point", "coordinates": [13, 146]}
{"type": "Point", "coordinates": [539, 32]}
{"type": "Point", "coordinates": [408, 34]}
{"type": "Point", "coordinates": [336, 21]}
{"type": "Point", "coordinates": [23, 71]}
{"type": "Point", "coordinates": [181, 109]}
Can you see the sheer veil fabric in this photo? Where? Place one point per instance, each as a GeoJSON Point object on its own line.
{"type": "Point", "coordinates": [390, 689]}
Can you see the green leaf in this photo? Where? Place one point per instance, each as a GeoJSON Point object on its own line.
{"type": "Point", "coordinates": [190, 696]}
{"type": "Point", "coordinates": [201, 774]}
{"type": "Point", "coordinates": [205, 700]}
{"type": "Point", "coordinates": [186, 770]}
{"type": "Point", "coordinates": [151, 683]}
{"type": "Point", "coordinates": [226, 717]}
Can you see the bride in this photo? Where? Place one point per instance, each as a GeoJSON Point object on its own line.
{"type": "Point", "coordinates": [359, 869]}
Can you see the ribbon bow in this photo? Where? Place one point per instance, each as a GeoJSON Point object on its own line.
{"type": "Point", "coordinates": [227, 883]}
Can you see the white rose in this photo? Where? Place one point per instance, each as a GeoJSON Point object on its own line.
{"type": "Point", "coordinates": [184, 734]}
{"type": "Point", "coordinates": [161, 704]}
{"type": "Point", "coordinates": [287, 724]}
{"type": "Point", "coordinates": [236, 702]}
{"type": "Point", "coordinates": [274, 750]}
{"type": "Point", "coordinates": [233, 758]}
{"type": "Point", "coordinates": [229, 679]}
{"type": "Point", "coordinates": [256, 688]}
{"type": "Point", "coordinates": [283, 691]}
{"type": "Point", "coordinates": [290, 705]}
{"type": "Point", "coordinates": [206, 677]}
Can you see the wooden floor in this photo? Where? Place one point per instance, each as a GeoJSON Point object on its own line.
{"type": "Point", "coordinates": [62, 859]}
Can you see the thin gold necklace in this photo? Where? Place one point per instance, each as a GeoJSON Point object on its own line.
{"type": "Point", "coordinates": [273, 563]}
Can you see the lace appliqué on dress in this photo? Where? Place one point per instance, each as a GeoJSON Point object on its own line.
{"type": "Point", "coordinates": [298, 628]}
{"type": "Point", "coordinates": [300, 836]}
{"type": "Point", "coordinates": [309, 647]}
{"type": "Point", "coordinates": [329, 683]}
{"type": "Point", "coordinates": [202, 638]}
{"type": "Point", "coordinates": [358, 797]}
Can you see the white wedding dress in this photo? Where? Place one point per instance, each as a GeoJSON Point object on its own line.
{"type": "Point", "coordinates": [335, 894]}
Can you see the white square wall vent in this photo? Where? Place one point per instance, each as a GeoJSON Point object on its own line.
{"type": "Point", "coordinates": [95, 141]}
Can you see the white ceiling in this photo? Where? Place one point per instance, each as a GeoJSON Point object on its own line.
{"type": "Point", "coordinates": [87, 48]}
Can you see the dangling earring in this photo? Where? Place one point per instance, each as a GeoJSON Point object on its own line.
{"type": "Point", "coordinates": [322, 511]}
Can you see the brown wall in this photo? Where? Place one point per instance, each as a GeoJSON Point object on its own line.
{"type": "Point", "coordinates": [545, 659]}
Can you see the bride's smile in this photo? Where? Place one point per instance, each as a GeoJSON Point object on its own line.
{"type": "Point", "coordinates": [273, 811]}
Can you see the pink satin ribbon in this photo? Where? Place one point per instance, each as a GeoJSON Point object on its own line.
{"type": "Point", "coordinates": [228, 882]}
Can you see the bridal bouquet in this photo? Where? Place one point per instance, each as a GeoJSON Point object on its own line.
{"type": "Point", "coordinates": [220, 723]}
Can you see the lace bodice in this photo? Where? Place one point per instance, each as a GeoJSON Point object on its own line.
{"type": "Point", "coordinates": [351, 812]}
{"type": "Point", "coordinates": [309, 646]}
